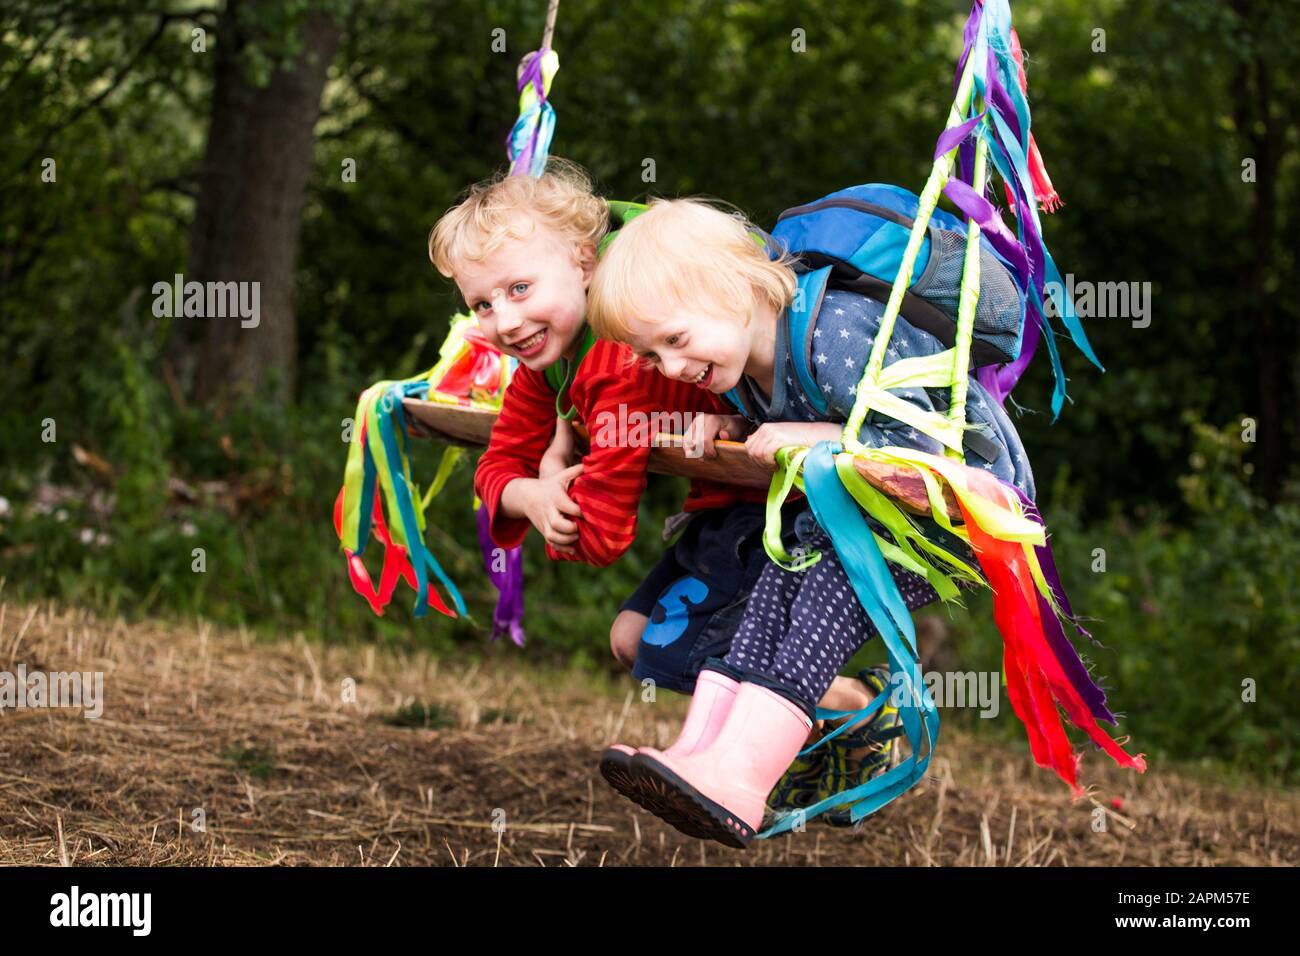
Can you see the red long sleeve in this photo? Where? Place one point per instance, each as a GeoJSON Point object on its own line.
{"type": "Point", "coordinates": [520, 437]}
{"type": "Point", "coordinates": [610, 392]}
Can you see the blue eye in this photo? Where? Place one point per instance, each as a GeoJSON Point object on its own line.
{"type": "Point", "coordinates": [519, 288]}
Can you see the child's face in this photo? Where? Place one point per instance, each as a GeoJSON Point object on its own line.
{"type": "Point", "coordinates": [530, 295]}
{"type": "Point", "coordinates": [707, 350]}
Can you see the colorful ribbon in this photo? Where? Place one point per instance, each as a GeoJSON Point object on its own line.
{"type": "Point", "coordinates": [529, 141]}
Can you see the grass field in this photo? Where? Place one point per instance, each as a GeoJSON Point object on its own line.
{"type": "Point", "coordinates": [217, 749]}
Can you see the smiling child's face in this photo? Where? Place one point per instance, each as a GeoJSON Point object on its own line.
{"type": "Point", "coordinates": [530, 295]}
{"type": "Point", "coordinates": [707, 350]}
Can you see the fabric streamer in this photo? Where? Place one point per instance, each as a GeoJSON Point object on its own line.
{"type": "Point", "coordinates": [874, 586]}
{"type": "Point", "coordinates": [377, 480]}
{"type": "Point", "coordinates": [508, 579]}
{"type": "Point", "coordinates": [989, 123]}
{"type": "Point", "coordinates": [529, 142]}
{"type": "Point", "coordinates": [993, 52]}
{"type": "Point", "coordinates": [469, 372]}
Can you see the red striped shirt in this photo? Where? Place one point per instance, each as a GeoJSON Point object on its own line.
{"type": "Point", "coordinates": [608, 383]}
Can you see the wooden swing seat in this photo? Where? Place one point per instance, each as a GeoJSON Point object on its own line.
{"type": "Point", "coordinates": [471, 427]}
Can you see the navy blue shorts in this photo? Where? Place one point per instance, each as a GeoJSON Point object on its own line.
{"type": "Point", "coordinates": [695, 596]}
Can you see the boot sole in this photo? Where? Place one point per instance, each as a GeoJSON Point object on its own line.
{"type": "Point", "coordinates": [677, 802]}
{"type": "Point", "coordinates": [615, 767]}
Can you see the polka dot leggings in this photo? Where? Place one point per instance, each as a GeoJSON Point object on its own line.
{"type": "Point", "coordinates": [801, 627]}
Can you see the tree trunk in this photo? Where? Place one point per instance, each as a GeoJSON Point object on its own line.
{"type": "Point", "coordinates": [249, 213]}
{"type": "Point", "coordinates": [1263, 134]}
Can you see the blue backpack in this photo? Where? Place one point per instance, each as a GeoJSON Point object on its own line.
{"type": "Point", "coordinates": [854, 239]}
{"type": "Point", "coordinates": [858, 235]}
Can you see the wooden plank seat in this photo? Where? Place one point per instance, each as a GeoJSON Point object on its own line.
{"type": "Point", "coordinates": [470, 427]}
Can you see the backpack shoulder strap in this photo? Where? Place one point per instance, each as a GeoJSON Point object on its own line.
{"type": "Point", "coordinates": [801, 317]}
{"type": "Point", "coordinates": [620, 214]}
{"type": "Point", "coordinates": [560, 375]}
{"type": "Point", "coordinates": [734, 397]}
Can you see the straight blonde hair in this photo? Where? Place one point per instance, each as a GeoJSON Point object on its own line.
{"type": "Point", "coordinates": [685, 254]}
{"type": "Point", "coordinates": [506, 206]}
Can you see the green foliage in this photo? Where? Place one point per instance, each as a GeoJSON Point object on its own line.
{"type": "Point", "coordinates": [135, 404]}
{"type": "Point", "coordinates": [426, 716]}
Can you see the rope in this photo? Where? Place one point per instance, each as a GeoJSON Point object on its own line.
{"type": "Point", "coordinates": [551, 10]}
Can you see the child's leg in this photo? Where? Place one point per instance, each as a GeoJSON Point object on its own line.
{"type": "Point", "coordinates": [767, 618]}
{"type": "Point", "coordinates": [636, 615]}
{"type": "Point", "coordinates": [827, 626]}
{"type": "Point", "coordinates": [625, 636]}
{"type": "Point", "coordinates": [846, 693]}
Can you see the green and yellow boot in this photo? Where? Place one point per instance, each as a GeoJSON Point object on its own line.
{"type": "Point", "coordinates": [855, 756]}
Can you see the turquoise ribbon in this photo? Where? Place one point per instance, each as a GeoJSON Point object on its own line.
{"type": "Point", "coordinates": [1009, 157]}
{"type": "Point", "coordinates": [365, 510]}
{"type": "Point", "coordinates": [390, 411]}
{"type": "Point", "coordinates": [868, 572]}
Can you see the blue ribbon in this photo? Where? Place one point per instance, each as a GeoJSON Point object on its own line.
{"type": "Point", "coordinates": [390, 411]}
{"type": "Point", "coordinates": [868, 572]}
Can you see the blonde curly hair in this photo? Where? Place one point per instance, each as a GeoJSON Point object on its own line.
{"type": "Point", "coordinates": [506, 206]}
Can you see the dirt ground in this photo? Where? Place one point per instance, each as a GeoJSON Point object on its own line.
{"type": "Point", "coordinates": [215, 749]}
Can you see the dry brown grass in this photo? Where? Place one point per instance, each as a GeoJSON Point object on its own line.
{"type": "Point", "coordinates": [258, 735]}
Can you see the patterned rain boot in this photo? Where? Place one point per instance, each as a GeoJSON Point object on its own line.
{"type": "Point", "coordinates": [857, 755]}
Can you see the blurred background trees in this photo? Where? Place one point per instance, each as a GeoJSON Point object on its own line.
{"type": "Point", "coordinates": [213, 139]}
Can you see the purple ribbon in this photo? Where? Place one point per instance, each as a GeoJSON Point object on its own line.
{"type": "Point", "coordinates": [970, 33]}
{"type": "Point", "coordinates": [979, 209]}
{"type": "Point", "coordinates": [954, 135]}
{"type": "Point", "coordinates": [1024, 253]}
{"type": "Point", "coordinates": [998, 380]}
{"type": "Point", "coordinates": [531, 73]}
{"type": "Point", "coordinates": [995, 95]}
{"type": "Point", "coordinates": [508, 616]}
{"type": "Point", "coordinates": [1062, 649]}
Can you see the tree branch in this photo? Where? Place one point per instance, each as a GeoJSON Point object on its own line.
{"type": "Point", "coordinates": [40, 47]}
{"type": "Point", "coordinates": [87, 107]}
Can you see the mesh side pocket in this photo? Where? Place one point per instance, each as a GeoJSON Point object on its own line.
{"type": "Point", "coordinates": [1001, 304]}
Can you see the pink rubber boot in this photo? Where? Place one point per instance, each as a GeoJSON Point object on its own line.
{"type": "Point", "coordinates": [616, 768]}
{"type": "Point", "coordinates": [710, 705]}
{"type": "Point", "coordinates": [720, 790]}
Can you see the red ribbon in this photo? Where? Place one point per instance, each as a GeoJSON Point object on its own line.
{"type": "Point", "coordinates": [476, 374]}
{"type": "Point", "coordinates": [1048, 198]}
{"type": "Point", "coordinates": [1036, 682]}
{"type": "Point", "coordinates": [397, 566]}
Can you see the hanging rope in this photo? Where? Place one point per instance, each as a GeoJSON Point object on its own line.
{"type": "Point", "coordinates": [552, 9]}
